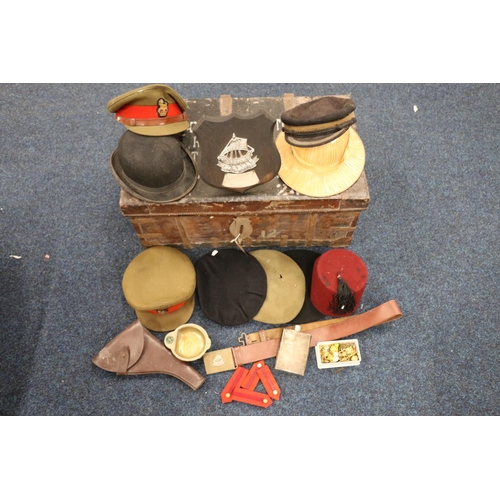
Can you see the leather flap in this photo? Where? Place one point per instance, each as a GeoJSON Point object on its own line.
{"type": "Point", "coordinates": [136, 351]}
{"type": "Point", "coordinates": [110, 358]}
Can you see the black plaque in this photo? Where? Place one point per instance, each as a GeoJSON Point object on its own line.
{"type": "Point", "coordinates": [237, 152]}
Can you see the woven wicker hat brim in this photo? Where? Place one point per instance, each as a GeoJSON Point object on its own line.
{"type": "Point", "coordinates": [164, 194]}
{"type": "Point", "coordinates": [167, 322]}
{"type": "Point", "coordinates": [322, 181]}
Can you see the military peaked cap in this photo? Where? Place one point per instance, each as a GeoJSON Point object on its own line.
{"type": "Point", "coordinates": [151, 110]}
{"type": "Point", "coordinates": [319, 121]}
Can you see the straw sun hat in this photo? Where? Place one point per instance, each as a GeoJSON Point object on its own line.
{"type": "Point", "coordinates": [322, 171]}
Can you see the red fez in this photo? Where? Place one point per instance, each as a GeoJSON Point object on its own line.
{"type": "Point", "coordinates": [338, 282]}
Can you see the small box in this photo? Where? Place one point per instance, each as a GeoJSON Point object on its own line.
{"type": "Point", "coordinates": [338, 353]}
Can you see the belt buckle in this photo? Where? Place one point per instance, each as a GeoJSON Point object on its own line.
{"type": "Point", "coordinates": [219, 361]}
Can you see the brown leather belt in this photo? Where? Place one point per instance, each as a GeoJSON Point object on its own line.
{"type": "Point", "coordinates": [265, 344]}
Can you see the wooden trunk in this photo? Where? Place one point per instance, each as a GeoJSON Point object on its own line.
{"type": "Point", "coordinates": [269, 215]}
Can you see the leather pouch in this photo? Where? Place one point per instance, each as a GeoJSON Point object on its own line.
{"type": "Point", "coordinates": [136, 351]}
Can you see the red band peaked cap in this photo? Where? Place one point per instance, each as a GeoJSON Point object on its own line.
{"type": "Point", "coordinates": [154, 110]}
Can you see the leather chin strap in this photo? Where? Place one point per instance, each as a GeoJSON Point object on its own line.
{"type": "Point", "coordinates": [266, 343]}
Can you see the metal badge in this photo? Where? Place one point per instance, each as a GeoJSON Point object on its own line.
{"type": "Point", "coordinates": [219, 361]}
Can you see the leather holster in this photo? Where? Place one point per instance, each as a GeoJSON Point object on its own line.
{"type": "Point", "coordinates": [136, 351]}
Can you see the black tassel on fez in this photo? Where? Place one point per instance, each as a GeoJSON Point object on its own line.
{"type": "Point", "coordinates": [343, 301]}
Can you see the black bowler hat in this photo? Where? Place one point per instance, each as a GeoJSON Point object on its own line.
{"type": "Point", "coordinates": [306, 259]}
{"type": "Point", "coordinates": [154, 169]}
{"type": "Point", "coordinates": [231, 286]}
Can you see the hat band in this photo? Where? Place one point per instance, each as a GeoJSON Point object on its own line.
{"type": "Point", "coordinates": [315, 126]}
{"type": "Point", "coordinates": [315, 130]}
{"type": "Point", "coordinates": [151, 122]}
{"type": "Point", "coordinates": [168, 310]}
{"type": "Point", "coordinates": [137, 116]}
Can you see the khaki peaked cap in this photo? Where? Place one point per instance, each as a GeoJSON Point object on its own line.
{"type": "Point", "coordinates": [154, 110]}
{"type": "Point", "coordinates": [159, 284]}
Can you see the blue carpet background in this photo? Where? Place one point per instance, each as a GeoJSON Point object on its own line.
{"type": "Point", "coordinates": [430, 238]}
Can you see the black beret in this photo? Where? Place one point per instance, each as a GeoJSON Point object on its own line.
{"type": "Point", "coordinates": [319, 121]}
{"type": "Point", "coordinates": [306, 259]}
{"type": "Point", "coordinates": [231, 286]}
